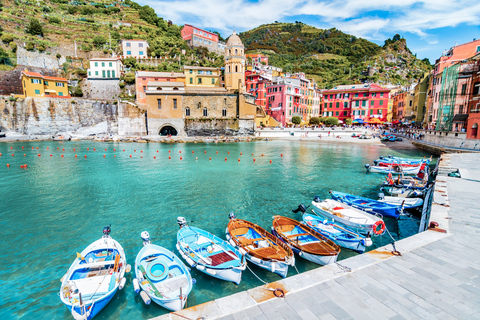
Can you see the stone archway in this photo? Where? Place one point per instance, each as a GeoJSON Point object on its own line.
{"type": "Point", "coordinates": [168, 130]}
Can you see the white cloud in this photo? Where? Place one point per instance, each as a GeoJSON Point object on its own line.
{"type": "Point", "coordinates": [373, 19]}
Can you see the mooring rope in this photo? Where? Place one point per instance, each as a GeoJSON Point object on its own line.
{"type": "Point", "coordinates": [395, 252]}
{"type": "Point", "coordinates": [277, 292]}
{"type": "Point", "coordinates": [343, 269]}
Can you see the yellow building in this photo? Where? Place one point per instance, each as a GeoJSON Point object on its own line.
{"type": "Point", "coordinates": [235, 64]}
{"type": "Point", "coordinates": [36, 85]}
{"type": "Point", "coordinates": [202, 76]}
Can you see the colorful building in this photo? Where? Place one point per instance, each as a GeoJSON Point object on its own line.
{"type": "Point", "coordinates": [234, 63]}
{"type": "Point", "coordinates": [359, 102]}
{"type": "Point", "coordinates": [143, 78]}
{"type": "Point", "coordinates": [105, 69]}
{"type": "Point", "coordinates": [36, 85]}
{"type": "Point", "coordinates": [135, 48]}
{"type": "Point", "coordinates": [473, 120]}
{"type": "Point", "coordinates": [420, 100]}
{"type": "Point", "coordinates": [197, 37]}
{"type": "Point", "coordinates": [258, 58]}
{"type": "Point", "coordinates": [256, 85]}
{"type": "Point", "coordinates": [202, 76]}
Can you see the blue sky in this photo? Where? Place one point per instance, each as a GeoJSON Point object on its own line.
{"type": "Point", "coordinates": [429, 26]}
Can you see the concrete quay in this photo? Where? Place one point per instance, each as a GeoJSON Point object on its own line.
{"type": "Point", "coordinates": [436, 277]}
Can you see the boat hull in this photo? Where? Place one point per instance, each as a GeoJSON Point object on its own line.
{"type": "Point", "coordinates": [279, 268]}
{"type": "Point", "coordinates": [97, 306]}
{"type": "Point", "coordinates": [368, 205]}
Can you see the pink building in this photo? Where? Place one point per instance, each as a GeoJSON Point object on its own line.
{"type": "Point", "coordinates": [142, 78]}
{"type": "Point", "coordinates": [256, 85]}
{"type": "Point", "coordinates": [258, 58]}
{"type": "Point", "coordinates": [197, 37]}
{"type": "Point", "coordinates": [357, 102]}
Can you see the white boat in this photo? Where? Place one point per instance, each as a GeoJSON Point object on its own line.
{"type": "Point", "coordinates": [209, 253]}
{"type": "Point", "coordinates": [161, 276]}
{"type": "Point", "coordinates": [407, 203]}
{"type": "Point", "coordinates": [339, 212]}
{"type": "Point", "coordinates": [94, 277]}
{"type": "Point", "coordinates": [394, 169]}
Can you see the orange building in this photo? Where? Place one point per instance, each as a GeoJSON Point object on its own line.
{"type": "Point", "coordinates": [142, 78]}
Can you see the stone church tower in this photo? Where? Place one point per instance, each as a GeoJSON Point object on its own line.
{"type": "Point", "coordinates": [235, 64]}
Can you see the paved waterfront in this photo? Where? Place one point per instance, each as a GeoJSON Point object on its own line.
{"type": "Point", "coordinates": [436, 277]}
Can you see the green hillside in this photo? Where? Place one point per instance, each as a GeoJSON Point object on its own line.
{"type": "Point", "coordinates": [333, 57]}
{"type": "Point", "coordinates": [94, 27]}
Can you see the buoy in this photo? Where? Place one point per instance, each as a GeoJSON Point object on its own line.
{"type": "Point", "coordinates": [11, 147]}
{"type": "Point", "coordinates": [130, 156]}
{"type": "Point", "coordinates": [57, 148]}
{"type": "Point", "coordinates": [241, 153]}
{"type": "Point", "coordinates": [281, 155]}
{"type": "Point", "coordinates": [0, 154]}
{"type": "Point", "coordinates": [122, 283]}
{"type": "Point", "coordinates": [22, 147]}
{"type": "Point", "coordinates": [145, 297]}
{"type": "Point", "coordinates": [105, 149]}
{"type": "Point", "coordinates": [270, 161]}
{"type": "Point", "coordinates": [225, 159]}
{"type": "Point", "coordinates": [180, 158]}
{"type": "Point", "coordinates": [114, 149]}
{"type": "Point", "coordinates": [252, 154]}
{"type": "Point", "coordinates": [193, 152]}
{"type": "Point", "coordinates": [157, 151]}
{"type": "Point", "coordinates": [50, 155]}
{"type": "Point", "coordinates": [196, 158]}
{"type": "Point", "coordinates": [136, 286]}
{"type": "Point", "coordinates": [168, 151]}
{"type": "Point", "coordinates": [73, 149]}
{"type": "Point", "coordinates": [228, 152]}
{"type": "Point", "coordinates": [93, 149]}
{"type": "Point", "coordinates": [180, 151]}
{"type": "Point", "coordinates": [210, 158]}
{"type": "Point", "coordinates": [104, 156]}
{"type": "Point", "coordinates": [154, 157]}
{"type": "Point", "coordinates": [262, 154]}
{"type": "Point", "coordinates": [24, 165]}
{"type": "Point", "coordinates": [205, 151]}
{"type": "Point", "coordinates": [85, 156]}
{"type": "Point", "coordinates": [23, 155]}
{"type": "Point", "coordinates": [114, 156]}
{"type": "Point", "coordinates": [62, 155]}
{"type": "Point", "coordinates": [8, 165]}
{"type": "Point", "coordinates": [253, 159]}
{"type": "Point", "coordinates": [217, 152]}
{"type": "Point", "coordinates": [13, 155]}
{"type": "Point", "coordinates": [238, 159]}
{"type": "Point", "coordinates": [88, 149]}
{"type": "Point", "coordinates": [48, 148]}
{"type": "Point", "coordinates": [39, 155]}
{"type": "Point", "coordinates": [75, 156]}
{"type": "Point", "coordinates": [141, 151]}
{"type": "Point", "coordinates": [33, 148]}
{"type": "Point", "coordinates": [123, 149]}
{"type": "Point", "coordinates": [169, 157]}
{"type": "Point", "coordinates": [141, 156]}
{"type": "Point", "coordinates": [134, 150]}
{"type": "Point", "coordinates": [63, 149]}
{"type": "Point", "coordinates": [21, 166]}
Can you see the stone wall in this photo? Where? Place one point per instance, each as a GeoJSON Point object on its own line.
{"type": "Point", "coordinates": [39, 60]}
{"type": "Point", "coordinates": [101, 89]}
{"type": "Point", "coordinates": [131, 120]}
{"type": "Point", "coordinates": [52, 115]}
{"type": "Point", "coordinates": [212, 127]}
{"type": "Point", "coordinates": [449, 139]}
{"type": "Point", "coordinates": [11, 82]}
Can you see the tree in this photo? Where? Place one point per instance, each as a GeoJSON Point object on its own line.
{"type": "Point", "coordinates": [129, 78]}
{"type": "Point", "coordinates": [296, 120]}
{"type": "Point", "coordinates": [3, 56]}
{"type": "Point", "coordinates": [348, 121]}
{"type": "Point", "coordinates": [78, 92]}
{"type": "Point", "coordinates": [99, 41]}
{"type": "Point", "coordinates": [314, 121]}
{"type": "Point", "coordinates": [7, 38]}
{"type": "Point", "coordinates": [54, 20]}
{"type": "Point", "coordinates": [130, 62]}
{"type": "Point", "coordinates": [331, 121]}
{"type": "Point", "coordinates": [396, 37]}
{"type": "Point", "coordinates": [35, 28]}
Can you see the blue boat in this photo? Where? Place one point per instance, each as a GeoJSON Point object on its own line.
{"type": "Point", "coordinates": [94, 277]}
{"type": "Point", "coordinates": [209, 253]}
{"type": "Point", "coordinates": [341, 235]}
{"type": "Point", "coordinates": [399, 160]}
{"type": "Point", "coordinates": [368, 205]}
{"type": "Point", "coordinates": [162, 276]}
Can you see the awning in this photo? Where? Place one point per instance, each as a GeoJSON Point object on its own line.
{"type": "Point", "coordinates": [395, 121]}
{"type": "Point", "coordinates": [460, 118]}
{"type": "Point", "coordinates": [358, 121]}
{"type": "Point", "coordinates": [375, 121]}
{"type": "Point", "coordinates": [50, 91]}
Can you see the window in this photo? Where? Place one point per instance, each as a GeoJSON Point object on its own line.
{"type": "Point", "coordinates": [96, 64]}
{"type": "Point", "coordinates": [140, 53]}
{"type": "Point", "coordinates": [159, 104]}
{"type": "Point", "coordinates": [60, 93]}
{"type": "Point", "coordinates": [45, 82]}
{"type": "Point", "coordinates": [236, 67]}
{"type": "Point", "coordinates": [140, 45]}
{"type": "Point", "coordinates": [356, 95]}
{"type": "Point", "coordinates": [144, 89]}
{"type": "Point", "coordinates": [372, 102]}
{"type": "Point", "coordinates": [379, 111]}
{"type": "Point", "coordinates": [175, 104]}
{"type": "Point", "coordinates": [199, 105]}
{"type": "Point", "coordinates": [187, 112]}
{"type": "Point", "coordinates": [191, 80]}
{"type": "Point", "coordinates": [37, 81]}
{"type": "Point", "coordinates": [363, 112]}
{"type": "Point", "coordinates": [103, 73]}
{"type": "Point", "coordinates": [89, 73]}
{"type": "Point", "coordinates": [331, 105]}
{"type": "Point", "coordinates": [128, 44]}
{"type": "Point", "coordinates": [108, 73]}
{"type": "Point", "coordinates": [205, 112]}
{"type": "Point", "coordinates": [37, 91]}
{"type": "Point", "coordinates": [364, 103]}
{"type": "Point", "coordinates": [478, 49]}
{"type": "Point", "coordinates": [371, 111]}
{"type": "Point", "coordinates": [109, 64]}
{"type": "Point", "coordinates": [381, 94]}
{"type": "Point", "coordinates": [59, 84]}
{"type": "Point", "coordinates": [129, 53]}
{"type": "Point", "coordinates": [344, 113]}
{"type": "Point", "coordinates": [357, 103]}
{"type": "Point", "coordinates": [345, 105]}
{"type": "Point", "coordinates": [213, 81]}
{"type": "Point", "coordinates": [199, 80]}
{"type": "Point", "coordinates": [96, 73]}
{"type": "Point", "coordinates": [337, 105]}
{"type": "Point", "coordinates": [381, 102]}
{"type": "Point", "coordinates": [103, 64]}
{"type": "Point", "coordinates": [336, 113]}
{"type": "Point", "coordinates": [224, 112]}
{"type": "Point", "coordinates": [113, 73]}
{"type": "Point", "coordinates": [411, 101]}
{"type": "Point", "coordinates": [364, 94]}
{"type": "Point", "coordinates": [464, 89]}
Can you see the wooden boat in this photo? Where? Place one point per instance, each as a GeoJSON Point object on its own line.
{"type": "Point", "coordinates": [259, 246]}
{"type": "Point", "coordinates": [368, 205]}
{"type": "Point", "coordinates": [94, 277]}
{"type": "Point", "coordinates": [407, 203]}
{"type": "Point", "coordinates": [209, 254]}
{"type": "Point", "coordinates": [305, 241]}
{"type": "Point", "coordinates": [395, 169]}
{"type": "Point", "coordinates": [342, 213]}
{"type": "Point", "coordinates": [406, 182]}
{"type": "Point", "coordinates": [162, 276]}
{"type": "Point", "coordinates": [341, 235]}
{"type": "Point", "coordinates": [403, 192]}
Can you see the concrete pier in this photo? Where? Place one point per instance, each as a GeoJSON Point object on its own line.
{"type": "Point", "coordinates": [437, 275]}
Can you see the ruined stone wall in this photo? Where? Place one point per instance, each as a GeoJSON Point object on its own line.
{"type": "Point", "coordinates": [53, 115]}
{"type": "Point", "coordinates": [101, 89]}
{"type": "Point", "coordinates": [131, 120]}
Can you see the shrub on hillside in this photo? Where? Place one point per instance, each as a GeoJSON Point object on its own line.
{"type": "Point", "coordinates": [129, 78]}
{"type": "Point", "coordinates": [3, 56]}
{"type": "Point", "coordinates": [6, 38]}
{"type": "Point", "coordinates": [41, 48]}
{"type": "Point", "coordinates": [54, 20]}
{"type": "Point", "coordinates": [87, 10]}
{"type": "Point", "coordinates": [58, 55]}
{"type": "Point", "coordinates": [35, 28]}
{"type": "Point", "coordinates": [78, 92]}
{"type": "Point", "coordinates": [30, 46]}
{"type": "Point", "coordinates": [130, 62]}
{"type": "Point", "coordinates": [99, 41]}
{"type": "Point", "coordinates": [13, 46]}
{"type": "Point", "coordinates": [72, 9]}
{"type": "Point", "coordinates": [46, 9]}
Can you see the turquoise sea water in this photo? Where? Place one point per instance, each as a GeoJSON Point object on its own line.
{"type": "Point", "coordinates": [57, 206]}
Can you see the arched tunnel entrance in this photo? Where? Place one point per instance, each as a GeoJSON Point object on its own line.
{"type": "Point", "coordinates": [168, 130]}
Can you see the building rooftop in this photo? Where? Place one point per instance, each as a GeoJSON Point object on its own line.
{"type": "Point", "coordinates": [166, 84]}
{"type": "Point", "coordinates": [200, 68]}
{"type": "Point", "coordinates": [38, 75]}
{"type": "Point", "coordinates": [106, 59]}
{"type": "Point", "coordinates": [154, 74]}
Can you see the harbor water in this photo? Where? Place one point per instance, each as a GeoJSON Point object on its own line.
{"type": "Point", "coordinates": [58, 205]}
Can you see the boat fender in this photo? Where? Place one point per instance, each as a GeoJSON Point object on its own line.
{"type": "Point", "coordinates": [273, 267]}
{"type": "Point", "coordinates": [226, 231]}
{"type": "Point", "coordinates": [376, 229]}
{"type": "Point", "coordinates": [367, 242]}
{"type": "Point", "coordinates": [189, 261]}
{"type": "Point", "coordinates": [210, 271]}
{"type": "Point", "coordinates": [78, 316]}
{"type": "Point", "coordinates": [122, 283]}
{"type": "Point", "coordinates": [146, 299]}
{"type": "Point", "coordinates": [300, 253]}
{"type": "Point", "coordinates": [255, 260]}
{"type": "Point", "coordinates": [232, 242]}
{"type": "Point", "coordinates": [136, 285]}
{"type": "Point", "coordinates": [200, 267]}
{"type": "Point", "coordinates": [227, 236]}
{"type": "Point", "coordinates": [242, 251]}
{"type": "Point", "coordinates": [178, 247]}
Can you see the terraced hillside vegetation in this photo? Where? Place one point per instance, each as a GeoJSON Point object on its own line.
{"type": "Point", "coordinates": [333, 57]}
{"type": "Point", "coordinates": [80, 29]}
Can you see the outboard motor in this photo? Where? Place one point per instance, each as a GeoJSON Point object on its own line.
{"type": "Point", "coordinates": [367, 166]}
{"type": "Point", "coordinates": [182, 222]}
{"type": "Point", "coordinates": [381, 196]}
{"type": "Point", "coordinates": [301, 207]}
{"type": "Point", "coordinates": [232, 216]}
{"type": "Point", "coordinates": [390, 156]}
{"type": "Point", "coordinates": [106, 231]}
{"type": "Point", "coordinates": [145, 237]}
{"type": "Point", "coordinates": [317, 199]}
{"type": "Point", "coordinates": [381, 157]}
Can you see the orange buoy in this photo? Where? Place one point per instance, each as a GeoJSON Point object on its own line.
{"type": "Point", "coordinates": [193, 152]}
{"type": "Point", "coordinates": [11, 147]}
{"type": "Point", "coordinates": [21, 166]}
{"type": "Point", "coordinates": [114, 149]}
{"type": "Point", "coordinates": [62, 155]}
{"type": "Point", "coordinates": [141, 156]}
{"type": "Point", "coordinates": [114, 156]}
{"type": "Point", "coordinates": [93, 149]}
{"type": "Point", "coordinates": [252, 154]}
{"type": "Point", "coordinates": [13, 155]}
{"type": "Point", "coordinates": [47, 148]}
{"type": "Point", "coordinates": [25, 165]}
{"type": "Point", "coordinates": [253, 159]}
{"type": "Point", "coordinates": [22, 147]}
{"type": "Point", "coordinates": [281, 155]}
{"type": "Point", "coordinates": [270, 161]}
{"type": "Point", "coordinates": [104, 156]}
{"type": "Point", "coordinates": [180, 158]}
{"type": "Point", "coordinates": [196, 158]}
{"type": "Point", "coordinates": [205, 151]}
{"type": "Point", "coordinates": [8, 165]}
{"type": "Point", "coordinates": [0, 154]}
{"type": "Point", "coordinates": [63, 149]}
{"type": "Point", "coordinates": [39, 155]}
{"type": "Point", "coordinates": [217, 152]}
{"type": "Point", "coordinates": [210, 158]}
{"type": "Point", "coordinates": [88, 149]}
{"type": "Point", "coordinates": [33, 148]}
{"type": "Point", "coordinates": [157, 151]}
{"type": "Point", "coordinates": [154, 157]}
{"type": "Point", "coordinates": [241, 153]}
{"type": "Point", "coordinates": [168, 151]}
{"type": "Point", "coordinates": [141, 151]}
{"type": "Point", "coordinates": [228, 152]}
{"type": "Point", "coordinates": [24, 154]}
{"type": "Point", "coordinates": [262, 154]}
{"type": "Point", "coordinates": [238, 159]}
{"type": "Point", "coordinates": [123, 149]}
{"type": "Point", "coordinates": [73, 149]}
{"type": "Point", "coordinates": [105, 149]}
{"type": "Point", "coordinates": [57, 148]}
{"type": "Point", "coordinates": [225, 159]}
{"type": "Point", "coordinates": [130, 156]}
{"type": "Point", "coordinates": [85, 156]}
{"type": "Point", "coordinates": [75, 156]}
{"type": "Point", "coordinates": [180, 151]}
{"type": "Point", "coordinates": [134, 150]}
{"type": "Point", "coordinates": [50, 155]}
{"type": "Point", "coordinates": [169, 157]}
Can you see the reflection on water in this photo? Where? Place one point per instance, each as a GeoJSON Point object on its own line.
{"type": "Point", "coordinates": [57, 206]}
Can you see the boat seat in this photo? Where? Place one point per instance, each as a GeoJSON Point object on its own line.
{"type": "Point", "coordinates": [246, 242]}
{"type": "Point", "coordinates": [239, 231]}
{"type": "Point", "coordinates": [286, 228]}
